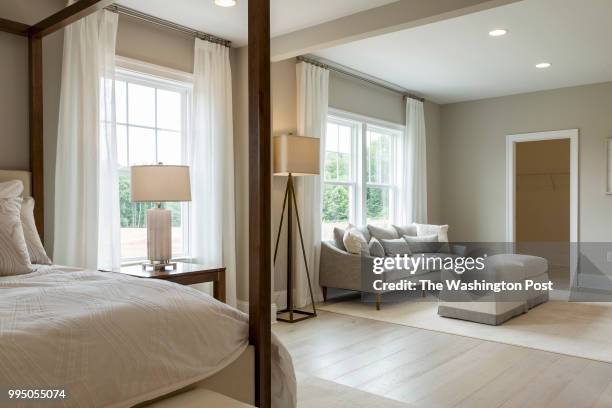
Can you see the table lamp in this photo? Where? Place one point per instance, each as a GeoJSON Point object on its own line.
{"type": "Point", "coordinates": [158, 184]}
{"type": "Point", "coordinates": [294, 156]}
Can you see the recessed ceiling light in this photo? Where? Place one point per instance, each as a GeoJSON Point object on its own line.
{"type": "Point", "coordinates": [225, 3]}
{"type": "Point", "coordinates": [498, 33]}
{"type": "Point", "coordinates": [543, 65]}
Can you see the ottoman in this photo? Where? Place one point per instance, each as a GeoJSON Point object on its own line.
{"type": "Point", "coordinates": [490, 307]}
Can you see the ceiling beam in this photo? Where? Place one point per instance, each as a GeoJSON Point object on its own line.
{"type": "Point", "coordinates": [397, 16]}
{"type": "Point", "coordinates": [13, 27]}
{"type": "Point", "coordinates": [67, 16]}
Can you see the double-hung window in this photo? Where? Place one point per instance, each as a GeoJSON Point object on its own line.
{"type": "Point", "coordinates": [359, 181]}
{"type": "Point", "coordinates": [152, 125]}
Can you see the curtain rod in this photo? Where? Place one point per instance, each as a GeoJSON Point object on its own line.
{"type": "Point", "coordinates": [116, 8]}
{"type": "Point", "coordinates": [378, 83]}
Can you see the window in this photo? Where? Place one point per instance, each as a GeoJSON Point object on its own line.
{"type": "Point", "coordinates": [152, 119]}
{"type": "Point", "coordinates": [359, 183]}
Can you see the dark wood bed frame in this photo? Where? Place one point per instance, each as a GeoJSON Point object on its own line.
{"type": "Point", "coordinates": [259, 159]}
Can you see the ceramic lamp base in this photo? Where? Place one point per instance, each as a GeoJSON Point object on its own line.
{"type": "Point", "coordinates": [159, 236]}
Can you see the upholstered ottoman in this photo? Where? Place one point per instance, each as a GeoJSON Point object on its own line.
{"type": "Point", "coordinates": [490, 307]}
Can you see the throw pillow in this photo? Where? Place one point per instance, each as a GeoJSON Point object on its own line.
{"type": "Point", "coordinates": [397, 246]}
{"type": "Point", "coordinates": [35, 247]}
{"type": "Point", "coordinates": [410, 229]}
{"type": "Point", "coordinates": [376, 248]}
{"type": "Point", "coordinates": [383, 233]}
{"type": "Point", "coordinates": [428, 229]}
{"type": "Point", "coordinates": [11, 189]}
{"type": "Point", "coordinates": [355, 242]}
{"type": "Point", "coordinates": [423, 244]}
{"type": "Point", "coordinates": [338, 238]}
{"type": "Point", "coordinates": [14, 258]}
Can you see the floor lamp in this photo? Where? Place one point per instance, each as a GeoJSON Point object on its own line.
{"type": "Point", "coordinates": [294, 156]}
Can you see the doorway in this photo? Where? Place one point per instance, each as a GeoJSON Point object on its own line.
{"type": "Point", "coordinates": [542, 199]}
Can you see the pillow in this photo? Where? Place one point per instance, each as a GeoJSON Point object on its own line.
{"type": "Point", "coordinates": [376, 248]}
{"type": "Point", "coordinates": [423, 244]}
{"type": "Point", "coordinates": [397, 246]}
{"type": "Point", "coordinates": [382, 233]}
{"type": "Point", "coordinates": [410, 229]}
{"type": "Point", "coordinates": [365, 232]}
{"type": "Point", "coordinates": [428, 229]}
{"type": "Point", "coordinates": [338, 238]}
{"type": "Point", "coordinates": [14, 258]}
{"type": "Point", "coordinates": [354, 241]}
{"type": "Point", "coordinates": [11, 189]}
{"type": "Point", "coordinates": [35, 247]}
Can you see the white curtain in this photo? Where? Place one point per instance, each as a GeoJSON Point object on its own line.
{"type": "Point", "coordinates": [312, 107]}
{"type": "Point", "coordinates": [87, 226]}
{"type": "Point", "coordinates": [212, 163]}
{"type": "Point", "coordinates": [413, 167]}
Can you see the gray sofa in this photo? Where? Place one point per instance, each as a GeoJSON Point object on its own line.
{"type": "Point", "coordinates": [342, 270]}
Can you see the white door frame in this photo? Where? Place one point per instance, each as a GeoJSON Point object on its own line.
{"type": "Point", "coordinates": [511, 141]}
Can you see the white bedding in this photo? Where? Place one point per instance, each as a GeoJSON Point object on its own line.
{"type": "Point", "coordinates": [114, 341]}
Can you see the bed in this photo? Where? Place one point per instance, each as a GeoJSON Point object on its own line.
{"type": "Point", "coordinates": [145, 341]}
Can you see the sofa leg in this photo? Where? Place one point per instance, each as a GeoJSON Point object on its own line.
{"type": "Point", "coordinates": [324, 289]}
{"type": "Point", "coordinates": [378, 301]}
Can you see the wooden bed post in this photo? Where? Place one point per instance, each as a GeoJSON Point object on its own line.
{"type": "Point", "coordinates": [260, 297]}
{"type": "Point", "coordinates": [35, 69]}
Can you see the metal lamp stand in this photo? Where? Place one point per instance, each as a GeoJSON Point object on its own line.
{"type": "Point", "coordinates": [289, 201]}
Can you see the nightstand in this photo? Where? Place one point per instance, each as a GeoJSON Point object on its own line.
{"type": "Point", "coordinates": [184, 274]}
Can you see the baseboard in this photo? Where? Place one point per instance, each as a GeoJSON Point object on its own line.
{"type": "Point", "coordinates": [243, 306]}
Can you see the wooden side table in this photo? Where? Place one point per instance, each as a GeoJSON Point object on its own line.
{"type": "Point", "coordinates": [184, 274]}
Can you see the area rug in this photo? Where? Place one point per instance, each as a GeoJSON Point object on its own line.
{"type": "Point", "coordinates": [574, 329]}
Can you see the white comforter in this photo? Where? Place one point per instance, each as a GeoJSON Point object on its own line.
{"type": "Point", "coordinates": [111, 340]}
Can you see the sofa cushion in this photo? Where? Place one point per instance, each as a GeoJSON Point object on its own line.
{"type": "Point", "coordinates": [394, 247]}
{"type": "Point", "coordinates": [423, 244]}
{"type": "Point", "coordinates": [338, 237]}
{"type": "Point", "coordinates": [355, 242]}
{"type": "Point", "coordinates": [429, 229]}
{"type": "Point", "coordinates": [383, 233]}
{"type": "Point", "coordinates": [376, 248]}
{"type": "Point", "coordinates": [410, 229]}
{"type": "Point", "coordinates": [534, 265]}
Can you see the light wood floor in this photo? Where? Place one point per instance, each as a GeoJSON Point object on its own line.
{"type": "Point", "coordinates": [431, 369]}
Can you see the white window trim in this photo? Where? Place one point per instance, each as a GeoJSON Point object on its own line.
{"type": "Point", "coordinates": [147, 74]}
{"type": "Point", "coordinates": [358, 213]}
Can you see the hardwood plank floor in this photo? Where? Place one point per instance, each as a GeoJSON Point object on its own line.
{"type": "Point", "coordinates": [422, 368]}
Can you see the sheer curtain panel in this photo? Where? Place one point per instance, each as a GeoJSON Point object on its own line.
{"type": "Point", "coordinates": [212, 163]}
{"type": "Point", "coordinates": [87, 230]}
{"type": "Point", "coordinates": [413, 166]}
{"type": "Point", "coordinates": [312, 107]}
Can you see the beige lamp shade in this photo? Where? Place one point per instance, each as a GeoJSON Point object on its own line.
{"type": "Point", "coordinates": [160, 183]}
{"type": "Point", "coordinates": [298, 155]}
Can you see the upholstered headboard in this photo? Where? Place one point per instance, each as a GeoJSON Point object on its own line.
{"type": "Point", "coordinates": [24, 176]}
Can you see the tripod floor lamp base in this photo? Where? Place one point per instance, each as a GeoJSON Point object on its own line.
{"type": "Point", "coordinates": [291, 314]}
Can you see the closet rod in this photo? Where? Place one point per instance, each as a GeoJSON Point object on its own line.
{"type": "Point", "coordinates": [370, 80]}
{"type": "Point", "coordinates": [116, 8]}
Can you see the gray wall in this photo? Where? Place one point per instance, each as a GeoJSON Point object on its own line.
{"type": "Point", "coordinates": [238, 58]}
{"type": "Point", "coordinates": [14, 136]}
{"type": "Point", "coordinates": [154, 44]}
{"type": "Point", "coordinates": [473, 157]}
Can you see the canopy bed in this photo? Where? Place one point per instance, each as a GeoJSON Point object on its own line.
{"type": "Point", "coordinates": [248, 378]}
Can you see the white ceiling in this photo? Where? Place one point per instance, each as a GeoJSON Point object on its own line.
{"type": "Point", "coordinates": [456, 60]}
{"type": "Point", "coordinates": [231, 23]}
